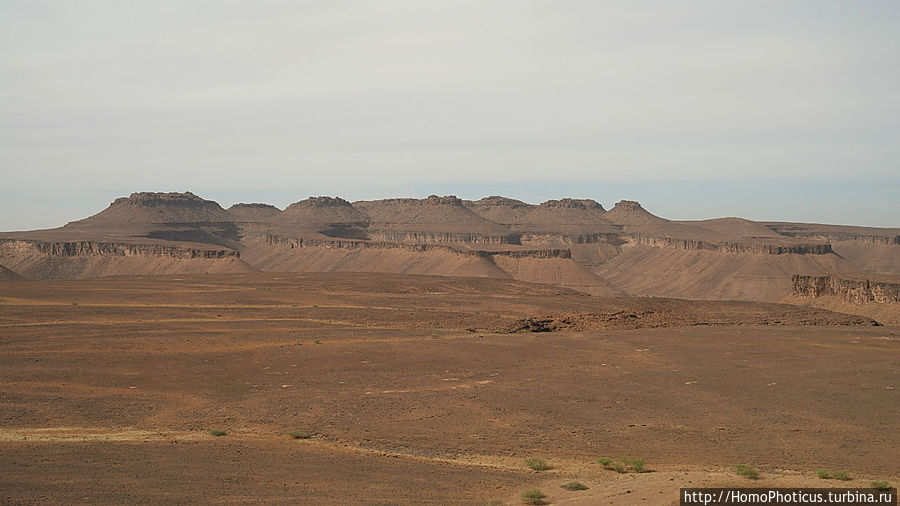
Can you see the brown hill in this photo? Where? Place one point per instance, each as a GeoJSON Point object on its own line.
{"type": "Point", "coordinates": [433, 214]}
{"type": "Point", "coordinates": [737, 228]}
{"type": "Point", "coordinates": [503, 210]}
{"type": "Point", "coordinates": [629, 212]}
{"type": "Point", "coordinates": [317, 216]}
{"type": "Point", "coordinates": [316, 211]}
{"type": "Point", "coordinates": [253, 213]}
{"type": "Point", "coordinates": [567, 216]}
{"type": "Point", "coordinates": [155, 208]}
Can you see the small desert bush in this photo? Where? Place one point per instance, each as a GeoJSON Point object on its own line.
{"type": "Point", "coordinates": [318, 341]}
{"type": "Point", "coordinates": [622, 465]}
{"type": "Point", "coordinates": [842, 475]}
{"type": "Point", "coordinates": [824, 474]}
{"type": "Point", "coordinates": [881, 485]}
{"type": "Point", "coordinates": [299, 434]}
{"type": "Point", "coordinates": [636, 465]}
{"type": "Point", "coordinates": [747, 471]}
{"type": "Point", "coordinates": [217, 432]}
{"type": "Point", "coordinates": [533, 496]}
{"type": "Point", "coordinates": [574, 485]}
{"type": "Point", "coordinates": [537, 464]}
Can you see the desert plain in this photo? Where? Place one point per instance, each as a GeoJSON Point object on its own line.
{"type": "Point", "coordinates": [414, 390]}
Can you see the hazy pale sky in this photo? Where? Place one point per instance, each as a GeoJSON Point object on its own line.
{"type": "Point", "coordinates": [765, 109]}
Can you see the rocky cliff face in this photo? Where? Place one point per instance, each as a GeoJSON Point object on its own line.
{"type": "Point", "coordinates": [444, 237]}
{"type": "Point", "coordinates": [35, 259]}
{"type": "Point", "coordinates": [292, 242]}
{"type": "Point", "coordinates": [855, 291]}
{"type": "Point", "coordinates": [730, 247]}
{"type": "Point", "coordinates": [825, 233]}
{"type": "Point", "coordinates": [99, 248]}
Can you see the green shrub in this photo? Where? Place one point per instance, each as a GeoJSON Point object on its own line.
{"type": "Point", "coordinates": [537, 464]}
{"type": "Point", "coordinates": [301, 434]}
{"type": "Point", "coordinates": [533, 496]}
{"type": "Point", "coordinates": [747, 471]}
{"type": "Point", "coordinates": [604, 462]}
{"type": "Point", "coordinates": [824, 474]}
{"type": "Point", "coordinates": [617, 467]}
{"type": "Point", "coordinates": [217, 432]}
{"type": "Point", "coordinates": [637, 465]}
{"type": "Point", "coordinates": [881, 485]}
{"type": "Point", "coordinates": [574, 485]}
{"type": "Point", "coordinates": [842, 475]}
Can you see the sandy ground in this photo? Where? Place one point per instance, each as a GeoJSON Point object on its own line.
{"type": "Point", "coordinates": [108, 389]}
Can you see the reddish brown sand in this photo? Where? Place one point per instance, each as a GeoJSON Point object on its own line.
{"type": "Point", "coordinates": [108, 389]}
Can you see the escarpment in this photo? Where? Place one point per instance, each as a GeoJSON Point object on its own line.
{"type": "Point", "coordinates": [82, 259]}
{"type": "Point", "coordinates": [730, 247]}
{"type": "Point", "coordinates": [97, 248]}
{"type": "Point", "coordinates": [444, 237]}
{"type": "Point", "coordinates": [855, 291]}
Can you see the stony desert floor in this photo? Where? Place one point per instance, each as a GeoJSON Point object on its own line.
{"type": "Point", "coordinates": [413, 392]}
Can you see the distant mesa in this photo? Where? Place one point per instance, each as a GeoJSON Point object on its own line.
{"type": "Point", "coordinates": [435, 214]}
{"type": "Point", "coordinates": [316, 211]}
{"type": "Point", "coordinates": [497, 200]}
{"type": "Point", "coordinates": [499, 209]}
{"type": "Point", "coordinates": [431, 200]}
{"type": "Point", "coordinates": [153, 208]}
{"type": "Point", "coordinates": [253, 212]}
{"type": "Point", "coordinates": [630, 212]}
{"type": "Point", "coordinates": [321, 202]}
{"type": "Point", "coordinates": [566, 216]}
{"type": "Point", "coordinates": [574, 204]}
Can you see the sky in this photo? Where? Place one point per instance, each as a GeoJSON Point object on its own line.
{"type": "Point", "coordinates": [768, 110]}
